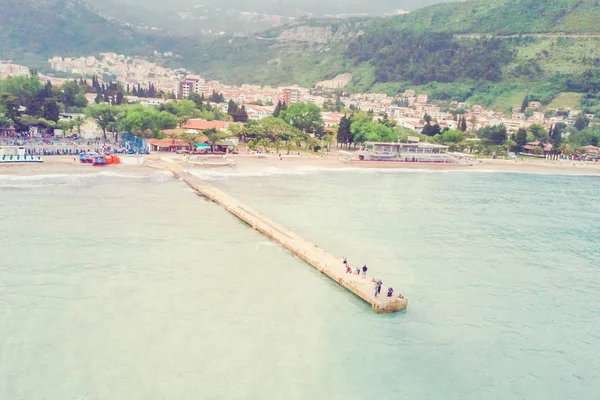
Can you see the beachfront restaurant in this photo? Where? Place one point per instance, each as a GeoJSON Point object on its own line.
{"type": "Point", "coordinates": [406, 152]}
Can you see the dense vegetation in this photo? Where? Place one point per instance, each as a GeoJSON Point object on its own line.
{"type": "Point", "coordinates": [503, 17]}
{"type": "Point", "coordinates": [25, 102]}
{"type": "Point", "coordinates": [420, 58]}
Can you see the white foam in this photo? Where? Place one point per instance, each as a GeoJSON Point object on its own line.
{"type": "Point", "coordinates": [28, 181]}
{"type": "Point", "coordinates": [214, 175]}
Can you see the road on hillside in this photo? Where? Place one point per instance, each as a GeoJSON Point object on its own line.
{"type": "Point", "coordinates": [535, 35]}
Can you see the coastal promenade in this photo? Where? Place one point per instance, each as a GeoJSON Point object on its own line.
{"type": "Point", "coordinates": [323, 261]}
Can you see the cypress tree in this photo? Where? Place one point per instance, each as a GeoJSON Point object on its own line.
{"type": "Point", "coordinates": [344, 135]}
{"type": "Point", "coordinates": [232, 108]}
{"type": "Point", "coordinates": [277, 110]}
{"type": "Point", "coordinates": [525, 103]}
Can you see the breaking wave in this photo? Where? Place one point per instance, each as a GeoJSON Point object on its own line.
{"type": "Point", "coordinates": [33, 181]}
{"type": "Point", "coordinates": [214, 175]}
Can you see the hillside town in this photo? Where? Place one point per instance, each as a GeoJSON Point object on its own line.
{"type": "Point", "coordinates": [410, 110]}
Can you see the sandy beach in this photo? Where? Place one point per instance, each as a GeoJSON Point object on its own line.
{"type": "Point", "coordinates": [245, 163]}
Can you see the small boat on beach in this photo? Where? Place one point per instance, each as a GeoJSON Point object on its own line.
{"type": "Point", "coordinates": [97, 159]}
{"type": "Point", "coordinates": [17, 154]}
{"type": "Point", "coordinates": [210, 161]}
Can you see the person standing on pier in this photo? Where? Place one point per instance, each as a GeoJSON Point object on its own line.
{"type": "Point", "coordinates": [364, 269]}
{"type": "Point", "coordinates": [378, 287]}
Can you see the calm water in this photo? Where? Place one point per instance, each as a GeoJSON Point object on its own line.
{"type": "Point", "coordinates": [134, 288]}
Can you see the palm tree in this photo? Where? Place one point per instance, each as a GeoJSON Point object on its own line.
{"type": "Point", "coordinates": [311, 143]}
{"type": "Point", "coordinates": [238, 131]}
{"type": "Point", "coordinates": [214, 137]}
{"type": "Point", "coordinates": [77, 122]}
{"type": "Point", "coordinates": [264, 143]}
{"type": "Point", "coordinates": [510, 144]}
{"type": "Point", "coordinates": [191, 138]}
{"type": "Point", "coordinates": [289, 146]}
{"type": "Point", "coordinates": [328, 139]}
{"type": "Point", "coordinates": [278, 143]}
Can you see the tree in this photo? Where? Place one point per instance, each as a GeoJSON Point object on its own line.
{"type": "Point", "coordinates": [9, 105]}
{"type": "Point", "coordinates": [51, 110]}
{"type": "Point", "coordinates": [264, 143]}
{"type": "Point", "coordinates": [237, 130]}
{"type": "Point", "coordinates": [581, 122]}
{"type": "Point", "coordinates": [70, 91]}
{"type": "Point", "coordinates": [214, 137]}
{"type": "Point", "coordinates": [103, 114]}
{"type": "Point", "coordinates": [305, 117]}
{"type": "Point", "coordinates": [525, 103]}
{"type": "Point", "coordinates": [5, 122]}
{"type": "Point", "coordinates": [520, 139]}
{"type": "Point", "coordinates": [328, 140]}
{"type": "Point", "coordinates": [238, 114]}
{"type": "Point", "coordinates": [184, 110]}
{"type": "Point", "coordinates": [387, 122]}
{"type": "Point", "coordinates": [538, 132]}
{"type": "Point", "coordinates": [463, 124]}
{"type": "Point", "coordinates": [556, 137]}
{"type": "Point", "coordinates": [510, 145]}
{"type": "Point", "coordinates": [279, 108]}
{"type": "Point", "coordinates": [338, 103]}
{"type": "Point", "coordinates": [451, 137]}
{"type": "Point", "coordinates": [191, 138]}
{"type": "Point", "coordinates": [65, 126]}
{"type": "Point", "coordinates": [216, 97]}
{"type": "Point", "coordinates": [77, 122]}
{"type": "Point", "coordinates": [495, 135]}
{"type": "Point", "coordinates": [241, 115]}
{"type": "Point", "coordinates": [25, 89]}
{"type": "Point", "coordinates": [344, 135]}
{"type": "Point", "coordinates": [197, 99]}
{"type": "Point", "coordinates": [365, 130]}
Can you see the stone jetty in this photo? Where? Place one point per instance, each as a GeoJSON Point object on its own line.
{"type": "Point", "coordinates": [323, 261]}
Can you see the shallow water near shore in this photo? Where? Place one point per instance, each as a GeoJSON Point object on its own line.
{"type": "Point", "coordinates": [112, 288]}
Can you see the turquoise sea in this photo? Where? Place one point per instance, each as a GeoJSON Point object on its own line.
{"type": "Point", "coordinates": [126, 287]}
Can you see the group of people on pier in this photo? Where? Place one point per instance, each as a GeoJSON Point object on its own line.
{"type": "Point", "coordinates": [378, 283]}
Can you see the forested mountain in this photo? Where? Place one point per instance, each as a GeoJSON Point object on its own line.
{"type": "Point", "coordinates": [537, 47]}
{"type": "Point", "coordinates": [503, 17]}
{"type": "Point", "coordinates": [42, 28]}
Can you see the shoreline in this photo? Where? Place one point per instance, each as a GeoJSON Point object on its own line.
{"type": "Point", "coordinates": [245, 164]}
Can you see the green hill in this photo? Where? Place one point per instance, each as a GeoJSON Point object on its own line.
{"type": "Point", "coordinates": [503, 17]}
{"type": "Point", "coordinates": [37, 29]}
{"type": "Point", "coordinates": [487, 52]}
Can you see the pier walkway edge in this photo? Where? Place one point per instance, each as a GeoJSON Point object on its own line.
{"type": "Point", "coordinates": [323, 261]}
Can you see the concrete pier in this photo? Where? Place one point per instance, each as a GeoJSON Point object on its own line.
{"type": "Point", "coordinates": [324, 262]}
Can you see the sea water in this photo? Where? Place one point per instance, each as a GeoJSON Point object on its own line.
{"type": "Point", "coordinates": [123, 287]}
